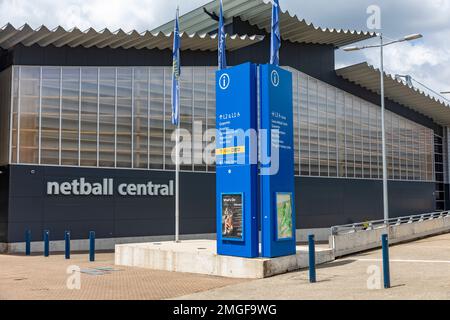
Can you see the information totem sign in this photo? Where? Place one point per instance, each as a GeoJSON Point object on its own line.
{"type": "Point", "coordinates": [237, 161]}
{"type": "Point", "coordinates": [277, 193]}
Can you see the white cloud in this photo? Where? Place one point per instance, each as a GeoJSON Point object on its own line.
{"type": "Point", "coordinates": [428, 60]}
{"type": "Point", "coordinates": [113, 14]}
{"type": "Point", "coordinates": [425, 62]}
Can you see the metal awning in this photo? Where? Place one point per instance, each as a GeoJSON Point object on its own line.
{"type": "Point", "coordinates": [258, 13]}
{"type": "Point", "coordinates": [59, 37]}
{"type": "Point", "coordinates": [396, 90]}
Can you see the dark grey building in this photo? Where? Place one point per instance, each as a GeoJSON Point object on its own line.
{"type": "Point", "coordinates": [85, 136]}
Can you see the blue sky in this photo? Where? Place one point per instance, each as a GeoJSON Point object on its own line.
{"type": "Point", "coordinates": [427, 60]}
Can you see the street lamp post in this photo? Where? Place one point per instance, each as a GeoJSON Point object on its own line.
{"type": "Point", "coordinates": [383, 123]}
{"type": "Point", "coordinates": [383, 137]}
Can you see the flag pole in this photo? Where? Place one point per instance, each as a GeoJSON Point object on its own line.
{"type": "Point", "coordinates": [176, 120]}
{"type": "Point", "coordinates": [177, 188]}
{"type": "Point", "coordinates": [275, 40]}
{"type": "Point", "coordinates": [222, 51]}
{"type": "Point", "coordinates": [177, 175]}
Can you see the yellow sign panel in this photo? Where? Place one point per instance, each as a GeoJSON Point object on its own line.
{"type": "Point", "coordinates": [228, 151]}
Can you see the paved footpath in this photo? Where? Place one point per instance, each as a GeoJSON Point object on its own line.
{"type": "Point", "coordinates": [36, 277]}
{"type": "Point", "coordinates": [419, 270]}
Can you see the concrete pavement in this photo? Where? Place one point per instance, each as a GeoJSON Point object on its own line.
{"type": "Point", "coordinates": [419, 270]}
{"type": "Point", "coordinates": [36, 277]}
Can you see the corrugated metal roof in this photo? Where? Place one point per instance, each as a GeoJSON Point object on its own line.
{"type": "Point", "coordinates": [396, 90]}
{"type": "Point", "coordinates": [258, 13]}
{"type": "Point", "coordinates": [10, 36]}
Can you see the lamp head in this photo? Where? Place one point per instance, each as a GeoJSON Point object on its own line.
{"type": "Point", "coordinates": [412, 37]}
{"type": "Point", "coordinates": [349, 49]}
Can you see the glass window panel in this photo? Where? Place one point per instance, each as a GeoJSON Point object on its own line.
{"type": "Point", "coordinates": [70, 108]}
{"type": "Point", "coordinates": [5, 113]}
{"type": "Point", "coordinates": [416, 142]}
{"type": "Point", "coordinates": [210, 105]}
{"type": "Point", "coordinates": [141, 99]}
{"type": "Point", "coordinates": [410, 153]}
{"type": "Point", "coordinates": [403, 150]}
{"type": "Point", "coordinates": [29, 115]}
{"type": "Point", "coordinates": [357, 137]}
{"type": "Point", "coordinates": [429, 155]}
{"type": "Point", "coordinates": [186, 113]}
{"type": "Point", "coordinates": [349, 137]}
{"type": "Point", "coordinates": [396, 147]}
{"type": "Point", "coordinates": [89, 115]}
{"type": "Point", "coordinates": [107, 117]}
{"type": "Point", "coordinates": [375, 142]}
{"type": "Point", "coordinates": [379, 147]}
{"type": "Point", "coordinates": [199, 116]}
{"type": "Point", "coordinates": [332, 131]}
{"type": "Point", "coordinates": [389, 150]}
{"type": "Point", "coordinates": [340, 117]}
{"type": "Point", "coordinates": [50, 124]}
{"type": "Point", "coordinates": [423, 155]}
{"type": "Point", "coordinates": [365, 130]}
{"type": "Point", "coordinates": [323, 129]}
{"type": "Point", "coordinates": [313, 127]}
{"type": "Point", "coordinates": [15, 109]}
{"type": "Point", "coordinates": [156, 118]}
{"type": "Point", "coordinates": [296, 120]}
{"type": "Point", "coordinates": [304, 126]}
{"type": "Point", "coordinates": [124, 134]}
{"type": "Point", "coordinates": [169, 145]}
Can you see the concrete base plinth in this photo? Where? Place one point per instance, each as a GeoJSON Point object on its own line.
{"type": "Point", "coordinates": [199, 256]}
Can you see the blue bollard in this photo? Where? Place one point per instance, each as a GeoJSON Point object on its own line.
{"type": "Point", "coordinates": [67, 241]}
{"type": "Point", "coordinates": [386, 269]}
{"type": "Point", "coordinates": [312, 259]}
{"type": "Point", "coordinates": [46, 243]}
{"type": "Point", "coordinates": [92, 246]}
{"type": "Point", "coordinates": [28, 243]}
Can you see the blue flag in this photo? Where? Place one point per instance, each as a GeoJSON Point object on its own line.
{"type": "Point", "coordinates": [222, 51]}
{"type": "Point", "coordinates": [275, 42]}
{"type": "Point", "coordinates": [176, 72]}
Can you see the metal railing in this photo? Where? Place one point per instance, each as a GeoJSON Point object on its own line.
{"type": "Point", "coordinates": [380, 224]}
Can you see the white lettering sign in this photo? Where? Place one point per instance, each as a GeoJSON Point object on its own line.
{"type": "Point", "coordinates": [81, 187]}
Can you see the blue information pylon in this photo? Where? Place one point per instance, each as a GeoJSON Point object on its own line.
{"type": "Point", "coordinates": [237, 162]}
{"type": "Point", "coordinates": [277, 162]}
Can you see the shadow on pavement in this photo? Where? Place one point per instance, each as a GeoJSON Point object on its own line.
{"type": "Point", "coordinates": [336, 264]}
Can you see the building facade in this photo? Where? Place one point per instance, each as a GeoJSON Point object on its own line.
{"type": "Point", "coordinates": [89, 115]}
